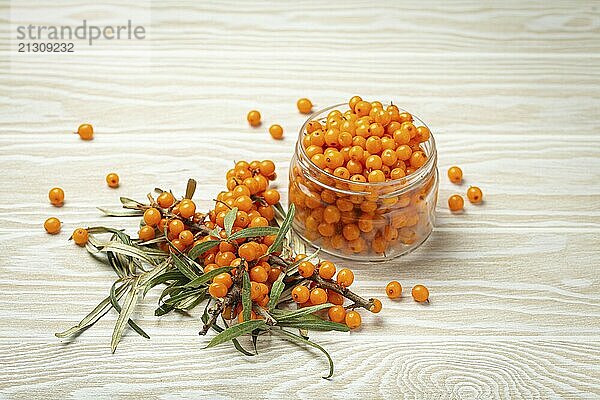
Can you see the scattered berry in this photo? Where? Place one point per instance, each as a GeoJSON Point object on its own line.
{"type": "Point", "coordinates": [393, 290]}
{"type": "Point", "coordinates": [112, 180]}
{"type": "Point", "coordinates": [80, 236]}
{"type": "Point", "coordinates": [353, 319]}
{"type": "Point", "coordinates": [304, 105]}
{"type": "Point", "coordinates": [253, 118]}
{"type": "Point", "coordinates": [56, 196]}
{"type": "Point", "coordinates": [85, 132]}
{"type": "Point", "coordinates": [474, 195]}
{"type": "Point", "coordinates": [420, 293]}
{"type": "Point", "coordinates": [276, 131]}
{"type": "Point", "coordinates": [455, 203]}
{"type": "Point", "coordinates": [455, 174]}
{"type": "Point", "coordinates": [52, 225]}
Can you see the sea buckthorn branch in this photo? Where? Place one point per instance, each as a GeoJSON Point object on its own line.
{"type": "Point", "coordinates": [344, 291]}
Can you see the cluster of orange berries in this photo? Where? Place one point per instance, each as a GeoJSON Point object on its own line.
{"type": "Point", "coordinates": [372, 150]}
{"type": "Point", "coordinates": [456, 202]}
{"type": "Point", "coordinates": [56, 196]}
{"type": "Point", "coordinates": [419, 292]}
{"type": "Point", "coordinates": [276, 131]}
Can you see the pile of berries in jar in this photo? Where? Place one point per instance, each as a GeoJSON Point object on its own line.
{"type": "Point", "coordinates": [364, 180]}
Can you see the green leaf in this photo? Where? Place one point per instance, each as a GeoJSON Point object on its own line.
{"type": "Point", "coordinates": [202, 247]}
{"type": "Point", "coordinates": [120, 213]}
{"type": "Point", "coordinates": [229, 220]}
{"type": "Point", "coordinates": [115, 303]}
{"type": "Point", "coordinates": [285, 227]}
{"type": "Point", "coordinates": [184, 267]}
{"type": "Point", "coordinates": [103, 229]}
{"type": "Point", "coordinates": [293, 337]}
{"type": "Point", "coordinates": [236, 330]}
{"type": "Point", "coordinates": [127, 202]}
{"type": "Point", "coordinates": [313, 323]}
{"type": "Point", "coordinates": [283, 315]}
{"type": "Point", "coordinates": [163, 278]}
{"type": "Point", "coordinates": [276, 291]}
{"type": "Point", "coordinates": [94, 316]}
{"type": "Point", "coordinates": [127, 250]}
{"type": "Point", "coordinates": [246, 299]}
{"type": "Point", "coordinates": [236, 343]}
{"type": "Point", "coordinates": [255, 231]}
{"type": "Point", "coordinates": [207, 277]}
{"type": "Point", "coordinates": [126, 311]}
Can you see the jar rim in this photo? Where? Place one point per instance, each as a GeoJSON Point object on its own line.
{"type": "Point", "coordinates": [406, 181]}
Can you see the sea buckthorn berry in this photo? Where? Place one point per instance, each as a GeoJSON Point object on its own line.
{"type": "Point", "coordinates": [165, 200]}
{"type": "Point", "coordinates": [337, 314]}
{"type": "Point", "coordinates": [112, 180]}
{"type": "Point", "coordinates": [224, 278]}
{"type": "Point", "coordinates": [253, 118]}
{"type": "Point", "coordinates": [455, 202]}
{"type": "Point", "coordinates": [334, 159]}
{"type": "Point", "coordinates": [373, 162]}
{"type": "Point", "coordinates": [376, 307]}
{"type": "Point", "coordinates": [420, 293]}
{"type": "Point", "coordinates": [393, 290]}
{"type": "Point", "coordinates": [319, 160]}
{"type": "Point", "coordinates": [56, 196]}
{"type": "Point", "coordinates": [405, 117]}
{"type": "Point", "coordinates": [331, 137]}
{"type": "Point", "coordinates": [259, 274]}
{"type": "Point", "coordinates": [345, 277]}
{"type": "Point", "coordinates": [418, 159]}
{"type": "Point", "coordinates": [300, 294]}
{"type": "Point", "coordinates": [186, 237]}
{"type": "Point", "coordinates": [335, 298]}
{"type": "Point", "coordinates": [351, 231]}
{"type": "Point", "coordinates": [146, 233]}
{"type": "Point", "coordinates": [353, 319]}
{"type": "Point", "coordinates": [401, 137]}
{"type": "Point", "coordinates": [152, 216]}
{"type": "Point", "coordinates": [52, 225]}
{"type": "Point", "coordinates": [306, 269]}
{"type": "Point", "coordinates": [178, 244]}
{"type": "Point", "coordinates": [354, 167]}
{"type": "Point", "coordinates": [175, 227]}
{"type": "Point", "coordinates": [267, 212]}
{"type": "Point", "coordinates": [80, 236]}
{"type": "Point", "coordinates": [397, 173]}
{"type": "Point", "coordinates": [373, 145]}
{"type": "Point", "coordinates": [162, 224]}
{"type": "Point", "coordinates": [474, 195]}
{"type": "Point", "coordinates": [455, 174]}
{"type": "Point", "coordinates": [353, 101]}
{"type": "Point", "coordinates": [318, 296]}
{"type": "Point", "coordinates": [313, 149]}
{"type": "Point", "coordinates": [241, 190]}
{"type": "Point", "coordinates": [403, 152]}
{"type": "Point", "coordinates": [389, 157]}
{"type": "Point", "coordinates": [258, 221]}
{"type": "Point", "coordinates": [326, 270]}
{"type": "Point", "coordinates": [224, 259]}
{"type": "Point", "coordinates": [423, 133]}
{"type": "Point", "coordinates": [276, 131]}
{"type": "Point", "coordinates": [304, 105]}
{"type": "Point", "coordinates": [85, 132]}
{"type": "Point", "coordinates": [376, 176]}
{"type": "Point", "coordinates": [376, 130]}
{"type": "Point", "coordinates": [326, 229]}
{"type": "Point", "coordinates": [271, 196]}
{"type": "Point", "coordinates": [313, 126]}
{"type": "Point", "coordinates": [217, 290]}
{"type": "Point", "coordinates": [267, 167]}
{"type": "Point", "coordinates": [248, 251]}
{"type": "Point", "coordinates": [356, 153]}
{"type": "Point", "coordinates": [342, 172]}
{"type": "Point", "coordinates": [187, 208]}
{"type": "Point", "coordinates": [331, 214]}
{"type": "Point", "coordinates": [345, 139]}
{"type": "Point", "coordinates": [243, 203]}
{"type": "Point", "coordinates": [362, 108]}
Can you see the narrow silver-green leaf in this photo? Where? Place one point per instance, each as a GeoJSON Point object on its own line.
{"type": "Point", "coordinates": [313, 323]}
{"type": "Point", "coordinates": [276, 291]}
{"type": "Point", "coordinates": [255, 231]}
{"type": "Point", "coordinates": [283, 315]}
{"type": "Point", "coordinates": [236, 330]}
{"type": "Point", "coordinates": [202, 247]}
{"type": "Point", "coordinates": [127, 250]}
{"type": "Point", "coordinates": [154, 272]}
{"type": "Point", "coordinates": [229, 220]}
{"type": "Point", "coordinates": [115, 303]}
{"type": "Point", "coordinates": [184, 267]}
{"type": "Point", "coordinates": [246, 299]}
{"type": "Point", "coordinates": [283, 230]}
{"type": "Point", "coordinates": [207, 277]}
{"type": "Point", "coordinates": [129, 202]}
{"type": "Point", "coordinates": [94, 316]}
{"type": "Point", "coordinates": [293, 337]}
{"type": "Point", "coordinates": [120, 213]}
{"type": "Point", "coordinates": [126, 311]}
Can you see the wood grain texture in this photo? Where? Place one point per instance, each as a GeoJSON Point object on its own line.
{"type": "Point", "coordinates": [511, 91]}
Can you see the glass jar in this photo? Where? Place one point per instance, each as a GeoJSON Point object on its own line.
{"type": "Point", "coordinates": [362, 221]}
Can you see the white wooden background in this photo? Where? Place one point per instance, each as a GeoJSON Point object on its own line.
{"type": "Point", "coordinates": [511, 91]}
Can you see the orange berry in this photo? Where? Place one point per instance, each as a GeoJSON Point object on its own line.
{"type": "Point", "coordinates": [376, 307]}
{"type": "Point", "coordinates": [423, 133]}
{"type": "Point", "coordinates": [403, 152]}
{"type": "Point", "coordinates": [300, 294]}
{"type": "Point", "coordinates": [259, 221]}
{"type": "Point", "coordinates": [393, 290]}
{"type": "Point", "coordinates": [351, 232]}
{"type": "Point", "coordinates": [353, 319]}
{"type": "Point", "coordinates": [52, 225]}
{"type": "Point", "coordinates": [248, 251]}
{"type": "Point", "coordinates": [420, 293]}
{"type": "Point", "coordinates": [418, 159]}
{"type": "Point", "coordinates": [224, 259]}
{"type": "Point", "coordinates": [337, 314]}
{"type": "Point", "coordinates": [56, 196]}
{"type": "Point", "coordinates": [80, 236]}
{"type": "Point", "coordinates": [373, 162]}
{"type": "Point", "coordinates": [253, 118]}
{"type": "Point", "coordinates": [276, 131]}
{"type": "Point", "coordinates": [271, 196]}
{"type": "Point", "coordinates": [318, 296]}
{"type": "Point", "coordinates": [345, 277]}
{"type": "Point", "coordinates": [335, 298]}
{"type": "Point", "coordinates": [331, 214]}
{"type": "Point", "coordinates": [304, 105]}
{"type": "Point", "coordinates": [362, 108]}
{"type": "Point", "coordinates": [267, 167]}
{"type": "Point", "coordinates": [176, 227]}
{"type": "Point", "coordinates": [326, 270]}
{"type": "Point", "coordinates": [376, 176]}
{"type": "Point", "coordinates": [243, 203]}
{"type": "Point", "coordinates": [187, 208]}
{"type": "Point", "coordinates": [474, 195]}
{"type": "Point", "coordinates": [306, 269]}
{"type": "Point", "coordinates": [178, 244]}
{"type": "Point", "coordinates": [146, 233]}
{"type": "Point", "coordinates": [186, 237]}
{"type": "Point", "coordinates": [259, 274]}
{"type": "Point", "coordinates": [165, 200]}
{"type": "Point", "coordinates": [353, 101]}
{"type": "Point", "coordinates": [112, 180]}
{"type": "Point", "coordinates": [223, 278]}
{"type": "Point", "coordinates": [152, 216]}
{"type": "Point", "coordinates": [455, 202]}
{"type": "Point", "coordinates": [217, 290]}
{"type": "Point", "coordinates": [85, 132]}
